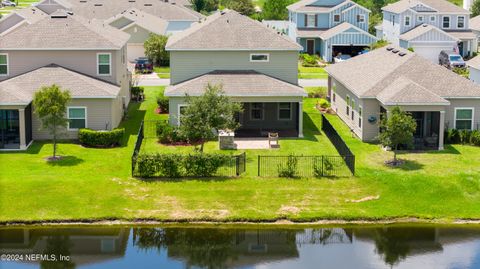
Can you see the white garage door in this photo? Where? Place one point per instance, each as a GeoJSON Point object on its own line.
{"type": "Point", "coordinates": [431, 52]}
{"type": "Point", "coordinates": [134, 51]}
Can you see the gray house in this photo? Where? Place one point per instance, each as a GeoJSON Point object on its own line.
{"type": "Point", "coordinates": [87, 58]}
{"type": "Point", "coordinates": [366, 87]}
{"type": "Point", "coordinates": [255, 65]}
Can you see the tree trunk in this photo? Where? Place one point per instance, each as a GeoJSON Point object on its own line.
{"type": "Point", "coordinates": [201, 146]}
{"type": "Point", "coordinates": [395, 155]}
{"type": "Point", "coordinates": [54, 139]}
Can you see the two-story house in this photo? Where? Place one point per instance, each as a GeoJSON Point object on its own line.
{"type": "Point", "coordinates": [82, 56]}
{"type": "Point", "coordinates": [138, 18]}
{"type": "Point", "coordinates": [428, 27]}
{"type": "Point", "coordinates": [255, 65]}
{"type": "Point", "coordinates": [330, 27]}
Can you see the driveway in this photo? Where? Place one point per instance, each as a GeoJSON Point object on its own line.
{"type": "Point", "coordinates": [313, 82]}
{"type": "Point", "coordinates": [152, 80]}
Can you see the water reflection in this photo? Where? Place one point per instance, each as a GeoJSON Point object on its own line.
{"type": "Point", "coordinates": [382, 247]}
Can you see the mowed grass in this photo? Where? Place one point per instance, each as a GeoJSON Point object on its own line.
{"type": "Point", "coordinates": [311, 72]}
{"type": "Point", "coordinates": [21, 4]}
{"type": "Point", "coordinates": [95, 184]}
{"type": "Point", "coordinates": [162, 71]}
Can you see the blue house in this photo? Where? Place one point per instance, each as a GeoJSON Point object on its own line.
{"type": "Point", "coordinates": [330, 27]}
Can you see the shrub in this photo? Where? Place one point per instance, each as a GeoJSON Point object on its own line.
{"type": "Point", "coordinates": [203, 165]}
{"type": "Point", "coordinates": [169, 165]}
{"type": "Point", "coordinates": [475, 138]}
{"type": "Point", "coordinates": [317, 92]}
{"type": "Point", "coordinates": [136, 91]}
{"type": "Point", "coordinates": [310, 60]}
{"type": "Point", "coordinates": [452, 136]}
{"type": "Point", "coordinates": [94, 138]}
{"type": "Point", "coordinates": [323, 103]}
{"type": "Point", "coordinates": [168, 134]}
{"type": "Point", "coordinates": [289, 169]}
{"type": "Point", "coordinates": [464, 136]}
{"type": "Point", "coordinates": [162, 102]}
{"type": "Point", "coordinates": [147, 165]}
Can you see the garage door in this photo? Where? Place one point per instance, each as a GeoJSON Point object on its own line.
{"type": "Point", "coordinates": [431, 52]}
{"type": "Point", "coordinates": [134, 51]}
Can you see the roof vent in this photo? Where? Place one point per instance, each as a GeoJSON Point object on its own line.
{"type": "Point", "coordinates": [390, 48]}
{"type": "Point", "coordinates": [223, 12]}
{"type": "Point", "coordinates": [83, 1]}
{"type": "Point", "coordinates": [131, 1]}
{"type": "Point", "coordinates": [98, 5]}
{"type": "Point", "coordinates": [147, 5]}
{"type": "Point", "coordinates": [425, 25]}
{"type": "Point", "coordinates": [401, 54]}
{"type": "Point", "coordinates": [395, 51]}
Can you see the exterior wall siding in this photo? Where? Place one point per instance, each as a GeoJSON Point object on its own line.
{"type": "Point", "coordinates": [434, 36]}
{"type": "Point", "coordinates": [457, 103]}
{"type": "Point", "coordinates": [350, 16]}
{"type": "Point", "coordinates": [391, 27]}
{"type": "Point", "coordinates": [186, 65]}
{"type": "Point", "coordinates": [137, 34]}
{"type": "Point", "coordinates": [474, 75]}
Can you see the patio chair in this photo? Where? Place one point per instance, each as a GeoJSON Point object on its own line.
{"type": "Point", "coordinates": [273, 140]}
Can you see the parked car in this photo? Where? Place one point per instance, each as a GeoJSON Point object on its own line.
{"type": "Point", "coordinates": [7, 3]}
{"type": "Point", "coordinates": [143, 65]}
{"type": "Point", "coordinates": [451, 59]}
{"type": "Point", "coordinates": [341, 58]}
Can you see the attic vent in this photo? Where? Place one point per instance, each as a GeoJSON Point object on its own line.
{"type": "Point", "coordinates": [148, 5]}
{"type": "Point", "coordinates": [390, 48]}
{"type": "Point", "coordinates": [223, 12]}
{"type": "Point", "coordinates": [58, 16]}
{"type": "Point", "coordinates": [83, 1]}
{"type": "Point", "coordinates": [395, 51]}
{"type": "Point", "coordinates": [98, 5]}
{"type": "Point", "coordinates": [70, 13]}
{"type": "Point", "coordinates": [131, 1]}
{"type": "Point", "coordinates": [401, 54]}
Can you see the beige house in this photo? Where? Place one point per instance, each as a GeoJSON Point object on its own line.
{"type": "Point", "coordinates": [85, 57]}
{"type": "Point", "coordinates": [256, 66]}
{"type": "Point", "coordinates": [363, 89]}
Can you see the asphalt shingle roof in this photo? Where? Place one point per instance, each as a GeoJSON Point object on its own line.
{"type": "Point", "coordinates": [370, 74]}
{"type": "Point", "coordinates": [65, 32]}
{"type": "Point", "coordinates": [442, 6]}
{"type": "Point", "coordinates": [237, 84]}
{"type": "Point", "coordinates": [20, 89]}
{"type": "Point", "coordinates": [423, 29]}
{"type": "Point", "coordinates": [475, 23]}
{"type": "Point", "coordinates": [145, 20]}
{"type": "Point", "coordinates": [405, 91]}
{"type": "Point", "coordinates": [229, 30]}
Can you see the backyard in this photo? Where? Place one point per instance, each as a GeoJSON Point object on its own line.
{"type": "Point", "coordinates": [95, 184]}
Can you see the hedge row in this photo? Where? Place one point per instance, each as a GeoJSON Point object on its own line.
{"type": "Point", "coordinates": [92, 138]}
{"type": "Point", "coordinates": [454, 136]}
{"type": "Point", "coordinates": [177, 165]}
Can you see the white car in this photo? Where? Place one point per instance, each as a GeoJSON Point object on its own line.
{"type": "Point", "coordinates": [7, 3]}
{"type": "Point", "coordinates": [341, 58]}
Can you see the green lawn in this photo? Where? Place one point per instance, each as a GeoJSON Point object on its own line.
{"type": "Point", "coordinates": [311, 72]}
{"type": "Point", "coordinates": [21, 4]}
{"type": "Point", "coordinates": [96, 184]}
{"type": "Point", "coordinates": [162, 71]}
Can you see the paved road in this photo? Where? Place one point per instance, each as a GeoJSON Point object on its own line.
{"type": "Point", "coordinates": [313, 82]}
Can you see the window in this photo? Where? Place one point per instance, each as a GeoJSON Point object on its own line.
{"type": "Point", "coordinates": [353, 109]}
{"type": "Point", "coordinates": [336, 18]}
{"type": "Point", "coordinates": [446, 22]}
{"type": "Point", "coordinates": [461, 22]}
{"type": "Point", "coordinates": [104, 64]}
{"type": "Point", "coordinates": [259, 58]}
{"type": "Point", "coordinates": [181, 111]}
{"type": "Point", "coordinates": [311, 20]}
{"type": "Point", "coordinates": [420, 18]}
{"type": "Point", "coordinates": [361, 18]}
{"type": "Point", "coordinates": [463, 118]}
{"type": "Point", "coordinates": [432, 18]}
{"type": "Point", "coordinates": [256, 111]}
{"type": "Point", "coordinates": [360, 116]}
{"type": "Point", "coordinates": [392, 18]}
{"type": "Point", "coordinates": [3, 64]}
{"type": "Point", "coordinates": [334, 88]}
{"type": "Point", "coordinates": [77, 118]}
{"type": "Point", "coordinates": [407, 20]}
{"type": "Point", "coordinates": [348, 105]}
{"type": "Point", "coordinates": [284, 111]}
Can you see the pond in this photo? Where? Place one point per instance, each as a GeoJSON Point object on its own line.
{"type": "Point", "coordinates": [227, 247]}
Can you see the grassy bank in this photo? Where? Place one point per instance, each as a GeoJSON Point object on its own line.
{"type": "Point", "coordinates": [96, 184]}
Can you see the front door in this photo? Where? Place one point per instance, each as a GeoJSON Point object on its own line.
{"type": "Point", "coordinates": [310, 46]}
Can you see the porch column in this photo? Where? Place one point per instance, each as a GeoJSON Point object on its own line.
{"type": "Point", "coordinates": [21, 123]}
{"type": "Point", "coordinates": [441, 130]}
{"type": "Point", "coordinates": [300, 119]}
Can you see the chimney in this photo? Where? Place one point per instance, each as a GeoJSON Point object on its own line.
{"type": "Point", "coordinates": [467, 4]}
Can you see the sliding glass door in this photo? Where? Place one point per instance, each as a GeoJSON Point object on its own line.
{"type": "Point", "coordinates": [9, 129]}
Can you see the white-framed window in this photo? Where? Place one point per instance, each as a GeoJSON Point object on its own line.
{"type": "Point", "coordinates": [259, 57]}
{"type": "Point", "coordinates": [408, 21]}
{"type": "Point", "coordinates": [77, 117]}
{"type": "Point", "coordinates": [311, 20]}
{"type": "Point", "coordinates": [348, 105]}
{"type": "Point", "coordinates": [336, 18]}
{"type": "Point", "coordinates": [420, 18]}
{"type": "Point", "coordinates": [464, 118]}
{"type": "Point", "coordinates": [353, 108]}
{"type": "Point", "coordinates": [461, 22]}
{"type": "Point", "coordinates": [433, 18]}
{"type": "Point", "coordinates": [334, 89]}
{"type": "Point", "coordinates": [104, 64]}
{"type": "Point", "coordinates": [446, 22]}
{"type": "Point", "coordinates": [181, 110]}
{"type": "Point", "coordinates": [3, 64]}
{"type": "Point", "coordinates": [284, 111]}
{"type": "Point", "coordinates": [361, 18]}
{"type": "Point", "coordinates": [360, 116]}
{"type": "Point", "coordinates": [256, 111]}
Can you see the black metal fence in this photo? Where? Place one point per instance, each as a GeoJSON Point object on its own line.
{"type": "Point", "coordinates": [304, 166]}
{"type": "Point", "coordinates": [339, 144]}
{"type": "Point", "coordinates": [138, 145]}
{"type": "Point", "coordinates": [151, 126]}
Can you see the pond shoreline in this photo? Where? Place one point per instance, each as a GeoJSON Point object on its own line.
{"type": "Point", "coordinates": [280, 222]}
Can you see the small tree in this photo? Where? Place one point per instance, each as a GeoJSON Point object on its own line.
{"type": "Point", "coordinates": [204, 5]}
{"type": "Point", "coordinates": [244, 7]}
{"type": "Point", "coordinates": [209, 113]}
{"type": "Point", "coordinates": [475, 9]}
{"type": "Point", "coordinates": [397, 129]}
{"type": "Point", "coordinates": [50, 104]}
{"type": "Point", "coordinates": [155, 48]}
{"type": "Point", "coordinates": [276, 9]}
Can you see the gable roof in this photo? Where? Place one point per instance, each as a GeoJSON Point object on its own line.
{"type": "Point", "coordinates": [340, 29]}
{"type": "Point", "coordinates": [474, 62]}
{"type": "Point", "coordinates": [441, 6]}
{"type": "Point", "coordinates": [370, 74]}
{"type": "Point", "coordinates": [64, 32]}
{"type": "Point", "coordinates": [145, 20]}
{"type": "Point", "coordinates": [241, 83]}
{"type": "Point", "coordinates": [20, 89]}
{"type": "Point", "coordinates": [311, 6]}
{"type": "Point", "coordinates": [229, 30]}
{"type": "Point", "coordinates": [404, 91]}
{"type": "Point", "coordinates": [423, 29]}
{"type": "Point", "coordinates": [475, 23]}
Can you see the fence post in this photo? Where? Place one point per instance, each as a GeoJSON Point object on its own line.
{"type": "Point", "coordinates": [237, 164]}
{"type": "Point", "coordinates": [258, 167]}
{"type": "Point", "coordinates": [244, 162]}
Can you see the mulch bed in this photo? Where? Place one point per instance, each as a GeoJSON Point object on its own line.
{"type": "Point", "coordinates": [160, 111]}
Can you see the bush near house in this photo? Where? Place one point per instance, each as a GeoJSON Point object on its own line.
{"type": "Point", "coordinates": [136, 92]}
{"type": "Point", "coordinates": [92, 138]}
{"type": "Point", "coordinates": [464, 137]}
{"type": "Point", "coordinates": [168, 134]}
{"type": "Point", "coordinates": [162, 102]}
{"type": "Point", "coordinates": [310, 60]}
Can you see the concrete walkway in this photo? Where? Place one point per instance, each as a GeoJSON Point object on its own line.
{"type": "Point", "coordinates": [313, 82]}
{"type": "Point", "coordinates": [153, 80]}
